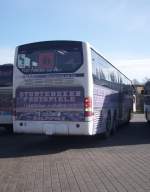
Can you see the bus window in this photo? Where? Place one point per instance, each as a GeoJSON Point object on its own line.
{"type": "Point", "coordinates": [60, 59]}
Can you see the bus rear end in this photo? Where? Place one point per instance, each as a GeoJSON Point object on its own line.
{"type": "Point", "coordinates": [51, 89]}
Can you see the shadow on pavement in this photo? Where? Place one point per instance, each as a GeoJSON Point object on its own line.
{"type": "Point", "coordinates": [20, 145]}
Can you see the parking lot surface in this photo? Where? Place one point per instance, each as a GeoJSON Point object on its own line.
{"type": "Point", "coordinates": [42, 164]}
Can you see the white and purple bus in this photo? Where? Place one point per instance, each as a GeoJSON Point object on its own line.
{"type": "Point", "coordinates": [147, 101]}
{"type": "Point", "coordinates": [68, 88]}
{"type": "Point", "coordinates": [6, 108]}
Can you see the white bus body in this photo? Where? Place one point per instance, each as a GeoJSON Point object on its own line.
{"type": "Point", "coordinates": [147, 101]}
{"type": "Point", "coordinates": [67, 88]}
{"type": "Point", "coordinates": [6, 78]}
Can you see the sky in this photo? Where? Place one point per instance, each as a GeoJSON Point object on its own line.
{"type": "Point", "coordinates": [118, 29]}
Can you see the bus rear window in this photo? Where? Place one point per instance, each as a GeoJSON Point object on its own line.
{"type": "Point", "coordinates": [49, 59]}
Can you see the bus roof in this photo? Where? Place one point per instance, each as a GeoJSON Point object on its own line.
{"type": "Point", "coordinates": [9, 65]}
{"type": "Point", "coordinates": [51, 41]}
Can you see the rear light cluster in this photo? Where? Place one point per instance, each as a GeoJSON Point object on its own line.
{"type": "Point", "coordinates": [88, 107]}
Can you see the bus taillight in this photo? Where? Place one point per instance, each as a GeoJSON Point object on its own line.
{"type": "Point", "coordinates": [88, 107]}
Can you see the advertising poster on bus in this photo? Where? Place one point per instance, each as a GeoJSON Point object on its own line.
{"type": "Point", "coordinates": [50, 104]}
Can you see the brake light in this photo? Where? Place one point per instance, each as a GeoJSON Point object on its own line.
{"type": "Point", "coordinates": [88, 107]}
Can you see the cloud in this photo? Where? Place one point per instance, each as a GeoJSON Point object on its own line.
{"type": "Point", "coordinates": [6, 55]}
{"type": "Point", "coordinates": [134, 68]}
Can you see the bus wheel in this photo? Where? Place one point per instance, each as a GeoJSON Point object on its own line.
{"type": "Point", "coordinates": [146, 116]}
{"type": "Point", "coordinates": [114, 125]}
{"type": "Point", "coordinates": [9, 129]}
{"type": "Point", "coordinates": [129, 116]}
{"type": "Point", "coordinates": [108, 126]}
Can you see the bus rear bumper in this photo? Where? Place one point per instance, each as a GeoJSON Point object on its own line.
{"type": "Point", "coordinates": [54, 128]}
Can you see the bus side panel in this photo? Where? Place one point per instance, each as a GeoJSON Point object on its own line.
{"type": "Point", "coordinates": [147, 107]}
{"type": "Point", "coordinates": [6, 106]}
{"type": "Point", "coordinates": [147, 113]}
{"type": "Point", "coordinates": [104, 100]}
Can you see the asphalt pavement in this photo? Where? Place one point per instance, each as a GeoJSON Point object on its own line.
{"type": "Point", "coordinates": [41, 163]}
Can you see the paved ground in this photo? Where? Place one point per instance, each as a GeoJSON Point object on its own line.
{"type": "Point", "coordinates": [41, 164]}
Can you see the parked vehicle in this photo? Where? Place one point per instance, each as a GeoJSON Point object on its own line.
{"type": "Point", "coordinates": [68, 88]}
{"type": "Point", "coordinates": [147, 101]}
{"type": "Point", "coordinates": [6, 79]}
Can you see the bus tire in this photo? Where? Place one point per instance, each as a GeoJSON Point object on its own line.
{"type": "Point", "coordinates": [129, 116]}
{"type": "Point", "coordinates": [146, 116]}
{"type": "Point", "coordinates": [108, 126]}
{"type": "Point", "coordinates": [9, 129]}
{"type": "Point", "coordinates": [114, 124]}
